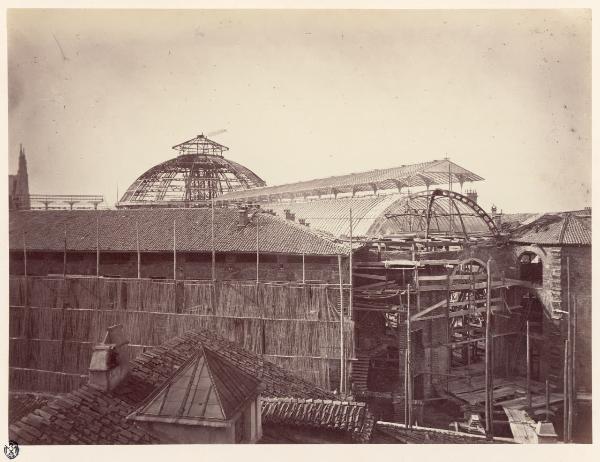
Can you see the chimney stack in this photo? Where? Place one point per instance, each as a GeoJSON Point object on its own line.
{"type": "Point", "coordinates": [243, 218]}
{"type": "Point", "coordinates": [109, 365]}
{"type": "Point", "coordinates": [289, 215]}
{"type": "Point", "coordinates": [471, 194]}
{"type": "Point", "coordinates": [302, 221]}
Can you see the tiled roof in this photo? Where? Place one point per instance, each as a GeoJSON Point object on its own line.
{"type": "Point", "coordinates": [351, 417]}
{"type": "Point", "coordinates": [90, 416]}
{"type": "Point", "coordinates": [571, 228]}
{"type": "Point", "coordinates": [423, 174]}
{"type": "Point", "coordinates": [116, 231]}
{"type": "Point", "coordinates": [21, 404]}
{"type": "Point", "coordinates": [388, 432]}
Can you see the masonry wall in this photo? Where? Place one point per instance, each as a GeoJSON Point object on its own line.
{"type": "Point", "coordinates": [580, 268]}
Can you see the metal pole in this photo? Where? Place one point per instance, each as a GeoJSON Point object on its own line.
{"type": "Point", "coordinates": [303, 270]}
{"type": "Point", "coordinates": [342, 365]}
{"type": "Point", "coordinates": [488, 381]}
{"type": "Point", "coordinates": [174, 253]}
{"type": "Point", "coordinates": [528, 370]}
{"type": "Point", "coordinates": [137, 248]}
{"type": "Point", "coordinates": [566, 393]}
{"type": "Point", "coordinates": [97, 247]}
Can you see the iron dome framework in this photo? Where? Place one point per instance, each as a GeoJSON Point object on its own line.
{"type": "Point", "coordinates": [198, 174]}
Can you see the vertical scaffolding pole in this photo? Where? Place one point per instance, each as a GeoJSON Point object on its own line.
{"type": "Point", "coordinates": [566, 393]}
{"type": "Point", "coordinates": [97, 247]}
{"type": "Point", "coordinates": [174, 253]}
{"type": "Point", "coordinates": [137, 250]}
{"type": "Point", "coordinates": [303, 270]}
{"type": "Point", "coordinates": [488, 359]}
{"type": "Point", "coordinates": [406, 418]}
{"type": "Point", "coordinates": [574, 358]}
{"type": "Point", "coordinates": [408, 371]}
{"type": "Point", "coordinates": [212, 237]}
{"type": "Point", "coordinates": [450, 219]}
{"type": "Point", "coordinates": [342, 362]}
{"type": "Point", "coordinates": [350, 271]}
{"type": "Point", "coordinates": [547, 400]}
{"type": "Point", "coordinates": [257, 246]}
{"type": "Point", "coordinates": [25, 294]}
{"type": "Point", "coordinates": [65, 254]}
{"type": "Point", "coordinates": [528, 370]}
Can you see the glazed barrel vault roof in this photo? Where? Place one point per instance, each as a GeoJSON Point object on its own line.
{"type": "Point", "coordinates": [120, 230]}
{"type": "Point", "coordinates": [380, 215]}
{"type": "Point", "coordinates": [416, 175]}
{"type": "Point", "coordinates": [199, 173]}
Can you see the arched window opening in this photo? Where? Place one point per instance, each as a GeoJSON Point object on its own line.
{"type": "Point", "coordinates": [531, 268]}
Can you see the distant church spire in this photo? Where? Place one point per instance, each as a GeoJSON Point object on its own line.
{"type": "Point", "coordinates": [22, 181]}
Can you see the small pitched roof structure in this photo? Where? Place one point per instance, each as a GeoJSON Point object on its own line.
{"type": "Point", "coordinates": [569, 228]}
{"type": "Point", "coordinates": [435, 172]}
{"type": "Point", "coordinates": [118, 231]}
{"type": "Point", "coordinates": [207, 388]}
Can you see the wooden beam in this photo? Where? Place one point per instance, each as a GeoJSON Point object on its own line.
{"type": "Point", "coordinates": [419, 315]}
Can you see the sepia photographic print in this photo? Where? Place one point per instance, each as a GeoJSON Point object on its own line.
{"type": "Point", "coordinates": [285, 226]}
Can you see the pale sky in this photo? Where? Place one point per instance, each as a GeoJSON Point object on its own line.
{"type": "Point", "coordinates": [98, 97]}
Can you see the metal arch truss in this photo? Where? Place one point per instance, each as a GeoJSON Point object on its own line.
{"type": "Point", "coordinates": [454, 196]}
{"type": "Point", "coordinates": [420, 212]}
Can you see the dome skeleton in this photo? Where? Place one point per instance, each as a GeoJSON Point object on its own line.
{"type": "Point", "coordinates": [198, 174]}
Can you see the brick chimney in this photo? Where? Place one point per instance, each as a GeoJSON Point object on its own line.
{"type": "Point", "coordinates": [110, 360]}
{"type": "Point", "coordinates": [243, 218]}
{"type": "Point", "coordinates": [302, 221]}
{"type": "Point", "coordinates": [289, 215]}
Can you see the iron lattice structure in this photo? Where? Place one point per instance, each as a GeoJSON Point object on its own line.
{"type": "Point", "coordinates": [198, 174]}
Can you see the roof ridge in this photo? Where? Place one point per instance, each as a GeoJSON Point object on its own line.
{"type": "Point", "coordinates": [313, 232]}
{"type": "Point", "coordinates": [212, 358]}
{"type": "Point", "coordinates": [563, 230]}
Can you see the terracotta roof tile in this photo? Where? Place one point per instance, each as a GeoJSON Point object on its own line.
{"type": "Point", "coordinates": [571, 228]}
{"type": "Point", "coordinates": [354, 418]}
{"type": "Point", "coordinates": [45, 230]}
